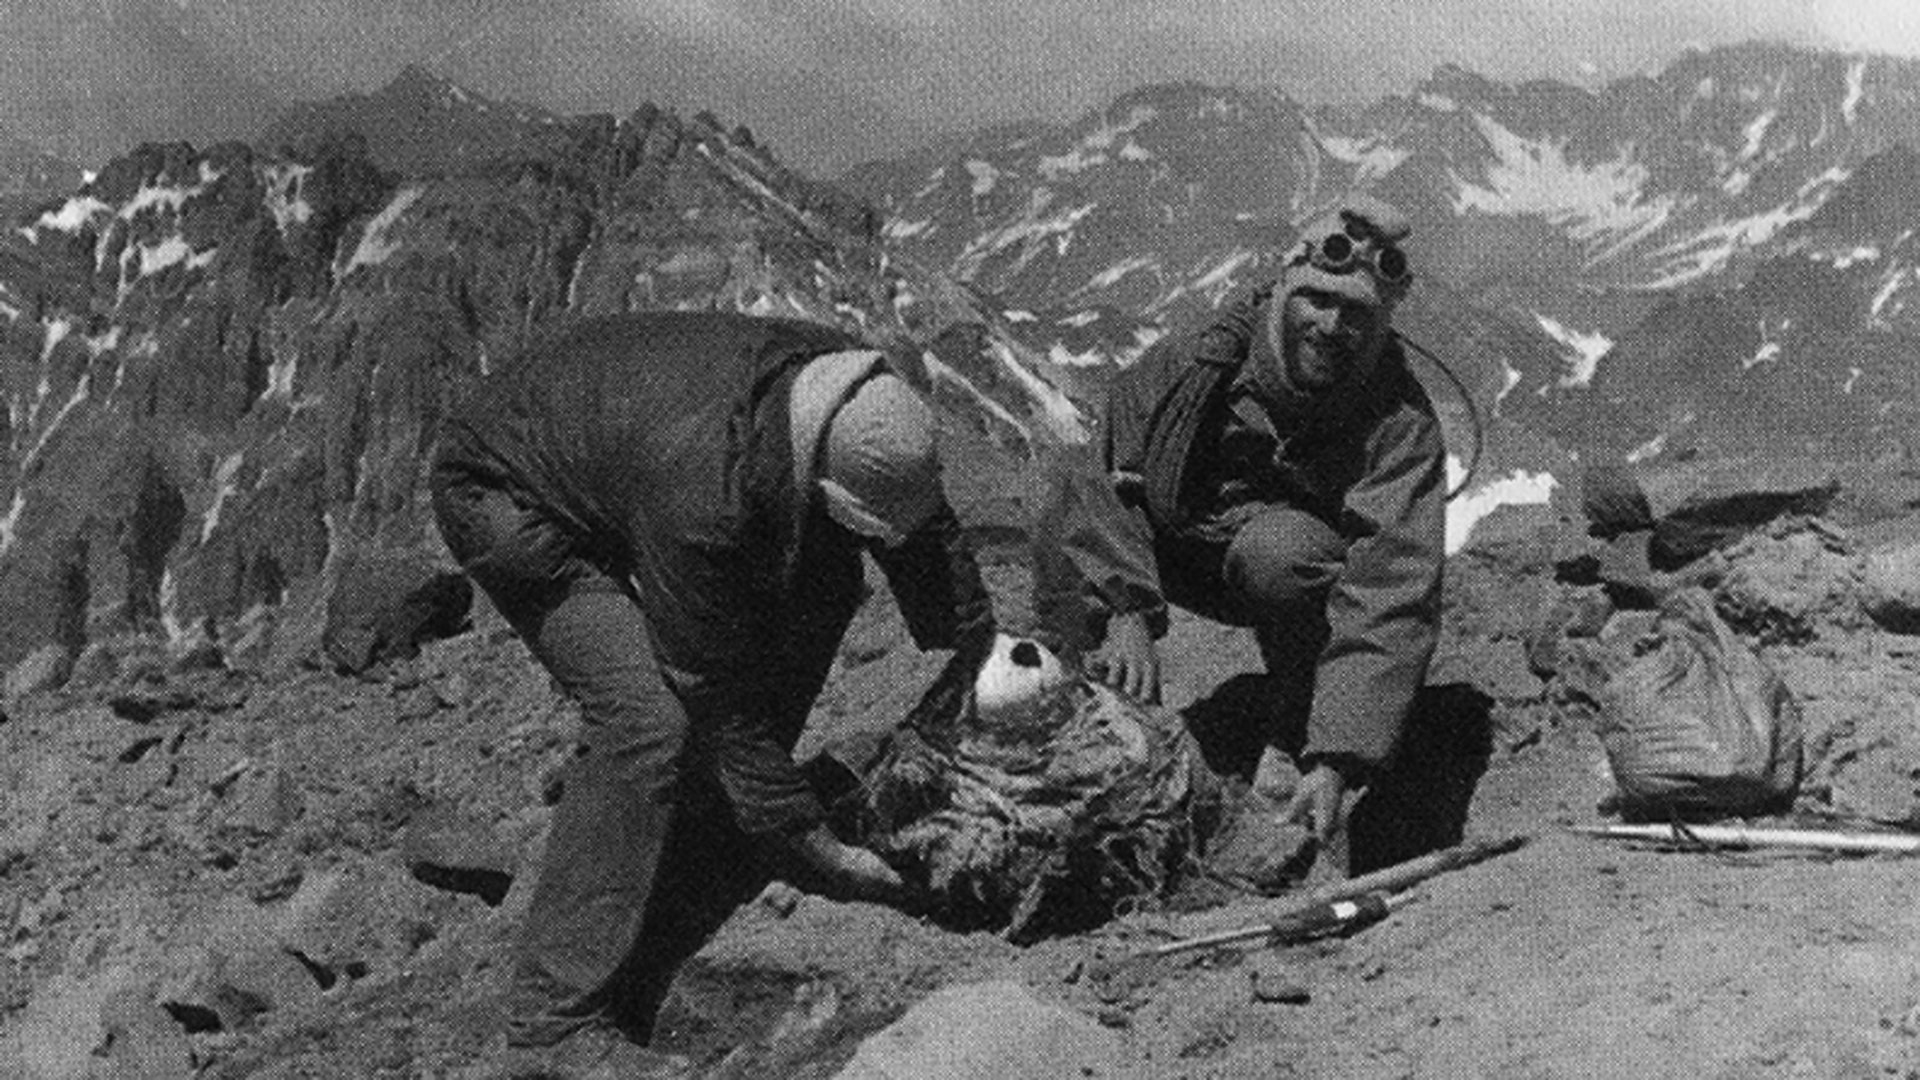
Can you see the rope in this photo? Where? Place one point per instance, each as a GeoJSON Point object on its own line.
{"type": "Point", "coordinates": [1474, 420]}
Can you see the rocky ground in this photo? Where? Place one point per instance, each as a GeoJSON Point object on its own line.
{"type": "Point", "coordinates": [235, 870]}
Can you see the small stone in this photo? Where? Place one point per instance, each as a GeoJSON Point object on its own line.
{"type": "Point", "coordinates": [780, 898]}
{"type": "Point", "coordinates": [43, 670]}
{"type": "Point", "coordinates": [362, 916]}
{"type": "Point", "coordinates": [262, 804]}
{"type": "Point", "coordinates": [203, 654]}
{"type": "Point", "coordinates": [453, 692]}
{"type": "Point", "coordinates": [1890, 587]}
{"type": "Point", "coordinates": [1273, 988]}
{"type": "Point", "coordinates": [449, 850]}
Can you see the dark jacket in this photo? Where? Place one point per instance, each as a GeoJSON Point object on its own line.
{"type": "Point", "coordinates": [1367, 460]}
{"type": "Point", "coordinates": [661, 445]}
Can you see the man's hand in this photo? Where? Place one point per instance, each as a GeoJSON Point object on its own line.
{"type": "Point", "coordinates": [1319, 803]}
{"type": "Point", "coordinates": [1127, 660]}
{"type": "Point", "coordinates": [845, 872]}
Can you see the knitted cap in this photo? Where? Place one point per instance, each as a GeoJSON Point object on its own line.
{"type": "Point", "coordinates": [880, 467]}
{"type": "Point", "coordinates": [1379, 222]}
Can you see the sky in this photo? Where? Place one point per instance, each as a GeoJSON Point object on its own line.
{"type": "Point", "coordinates": [828, 83]}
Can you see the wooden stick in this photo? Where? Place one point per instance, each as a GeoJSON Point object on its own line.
{"type": "Point", "coordinates": [1320, 920]}
{"type": "Point", "coordinates": [1742, 836]}
{"type": "Point", "coordinates": [1393, 879]}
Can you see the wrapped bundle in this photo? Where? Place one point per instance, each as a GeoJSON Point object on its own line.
{"type": "Point", "coordinates": [1031, 800]}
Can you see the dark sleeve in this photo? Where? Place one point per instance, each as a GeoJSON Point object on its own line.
{"type": "Point", "coordinates": [749, 730]}
{"type": "Point", "coordinates": [936, 582]}
{"type": "Point", "coordinates": [1092, 539]}
{"type": "Point", "coordinates": [1092, 548]}
{"type": "Point", "coordinates": [1384, 609]}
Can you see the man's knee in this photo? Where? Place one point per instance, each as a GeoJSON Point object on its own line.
{"type": "Point", "coordinates": [1283, 558]}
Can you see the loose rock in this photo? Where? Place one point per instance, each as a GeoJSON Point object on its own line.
{"type": "Point", "coordinates": [237, 972]}
{"type": "Point", "coordinates": [44, 669]}
{"type": "Point", "coordinates": [361, 917]}
{"type": "Point", "coordinates": [1275, 982]}
{"type": "Point", "coordinates": [985, 1031]}
{"type": "Point", "coordinates": [448, 850]}
{"type": "Point", "coordinates": [1890, 588]}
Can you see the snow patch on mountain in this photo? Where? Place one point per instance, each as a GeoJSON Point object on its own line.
{"type": "Point", "coordinates": [1858, 255]}
{"type": "Point", "coordinates": [1593, 201]}
{"type": "Point", "coordinates": [1093, 357]}
{"type": "Point", "coordinates": [224, 488]}
{"type": "Point", "coordinates": [1437, 102]}
{"type": "Point", "coordinates": [1583, 351]}
{"type": "Point", "coordinates": [286, 197]}
{"type": "Point", "coordinates": [1510, 377]}
{"type": "Point", "coordinates": [1031, 230]}
{"type": "Point", "coordinates": [79, 394]}
{"type": "Point", "coordinates": [1877, 310]}
{"type": "Point", "coordinates": [1061, 415]}
{"type": "Point", "coordinates": [280, 376]}
{"type": "Point", "coordinates": [374, 247]}
{"type": "Point", "coordinates": [1710, 249]}
{"type": "Point", "coordinates": [1756, 134]}
{"type": "Point", "coordinates": [1221, 276]}
{"type": "Point", "coordinates": [172, 251]}
{"type": "Point", "coordinates": [1517, 488]}
{"type": "Point", "coordinates": [944, 375]}
{"type": "Point", "coordinates": [1143, 339]}
{"type": "Point", "coordinates": [10, 524]}
{"type": "Point", "coordinates": [171, 197]}
{"type": "Point", "coordinates": [897, 229]}
{"type": "Point", "coordinates": [984, 174]}
{"type": "Point", "coordinates": [56, 332]}
{"type": "Point", "coordinates": [1111, 276]}
{"type": "Point", "coordinates": [72, 216]}
{"type": "Point", "coordinates": [1372, 158]}
{"type": "Point", "coordinates": [98, 345]}
{"type": "Point", "coordinates": [1856, 90]}
{"type": "Point", "coordinates": [1092, 148]}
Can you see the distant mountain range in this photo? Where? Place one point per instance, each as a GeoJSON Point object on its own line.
{"type": "Point", "coordinates": [1718, 257]}
{"type": "Point", "coordinates": [223, 364]}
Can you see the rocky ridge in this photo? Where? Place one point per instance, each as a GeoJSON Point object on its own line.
{"type": "Point", "coordinates": [224, 367]}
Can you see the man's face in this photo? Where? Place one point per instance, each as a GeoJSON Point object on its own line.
{"type": "Point", "coordinates": [1329, 339]}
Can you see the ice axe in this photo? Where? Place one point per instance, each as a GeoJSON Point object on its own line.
{"type": "Point", "coordinates": [1741, 836]}
{"type": "Point", "coordinates": [1343, 906]}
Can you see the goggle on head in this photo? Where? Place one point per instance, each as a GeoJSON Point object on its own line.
{"type": "Point", "coordinates": [1354, 244]}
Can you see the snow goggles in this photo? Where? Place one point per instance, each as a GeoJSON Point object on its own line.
{"type": "Point", "coordinates": [1340, 252]}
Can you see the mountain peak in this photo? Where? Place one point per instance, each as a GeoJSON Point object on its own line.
{"type": "Point", "coordinates": [421, 123]}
